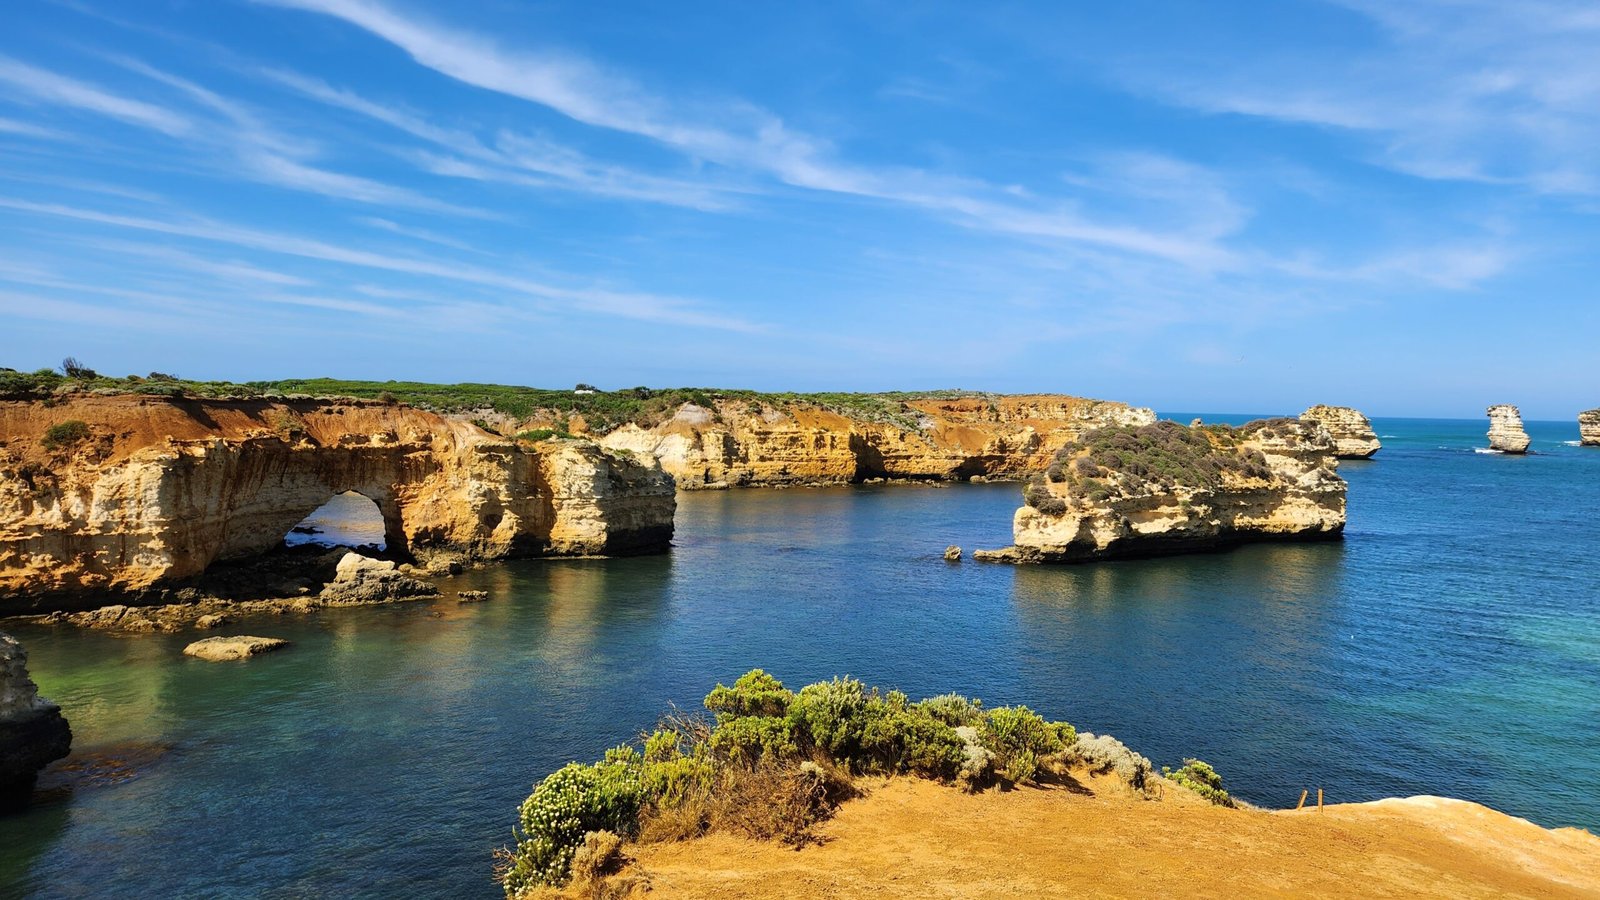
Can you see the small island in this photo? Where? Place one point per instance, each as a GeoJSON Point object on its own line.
{"type": "Point", "coordinates": [1353, 437]}
{"type": "Point", "coordinates": [1127, 492]}
{"type": "Point", "coordinates": [1505, 429]}
{"type": "Point", "coordinates": [1589, 428]}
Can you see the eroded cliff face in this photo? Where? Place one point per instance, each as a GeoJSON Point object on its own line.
{"type": "Point", "coordinates": [1589, 427]}
{"type": "Point", "coordinates": [114, 494]}
{"type": "Point", "coordinates": [739, 444]}
{"type": "Point", "coordinates": [32, 730]}
{"type": "Point", "coordinates": [1505, 429]}
{"type": "Point", "coordinates": [1352, 433]}
{"type": "Point", "coordinates": [1169, 488]}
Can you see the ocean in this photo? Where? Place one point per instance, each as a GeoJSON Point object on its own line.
{"type": "Point", "coordinates": [1450, 644]}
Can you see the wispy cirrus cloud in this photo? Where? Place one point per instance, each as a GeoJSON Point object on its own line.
{"type": "Point", "coordinates": [583, 300]}
{"type": "Point", "coordinates": [44, 86]}
{"type": "Point", "coordinates": [1465, 90]}
{"type": "Point", "coordinates": [741, 136]}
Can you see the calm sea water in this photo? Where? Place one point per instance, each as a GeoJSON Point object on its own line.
{"type": "Point", "coordinates": [1450, 645]}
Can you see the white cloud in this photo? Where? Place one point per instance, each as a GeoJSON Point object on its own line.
{"type": "Point", "coordinates": [745, 137]}
{"type": "Point", "coordinates": [59, 90]}
{"type": "Point", "coordinates": [1472, 90]}
{"type": "Point", "coordinates": [593, 300]}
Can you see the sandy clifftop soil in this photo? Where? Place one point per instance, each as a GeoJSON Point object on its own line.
{"type": "Point", "coordinates": [914, 838]}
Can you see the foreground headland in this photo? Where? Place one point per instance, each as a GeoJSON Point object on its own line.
{"type": "Point", "coordinates": [838, 789]}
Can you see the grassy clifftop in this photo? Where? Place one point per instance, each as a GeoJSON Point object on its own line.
{"type": "Point", "coordinates": [603, 410]}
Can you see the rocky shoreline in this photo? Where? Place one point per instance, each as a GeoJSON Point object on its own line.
{"type": "Point", "coordinates": [33, 733]}
{"type": "Point", "coordinates": [739, 443]}
{"type": "Point", "coordinates": [119, 498]}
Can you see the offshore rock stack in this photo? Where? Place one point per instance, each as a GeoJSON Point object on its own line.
{"type": "Point", "coordinates": [1505, 429]}
{"type": "Point", "coordinates": [1166, 488]}
{"type": "Point", "coordinates": [1353, 437]}
{"type": "Point", "coordinates": [1589, 427]}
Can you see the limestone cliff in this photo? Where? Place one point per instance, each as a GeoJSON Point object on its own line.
{"type": "Point", "coordinates": [1505, 429]}
{"type": "Point", "coordinates": [1589, 427]}
{"type": "Point", "coordinates": [115, 494]}
{"type": "Point", "coordinates": [1352, 433]}
{"type": "Point", "coordinates": [735, 443]}
{"type": "Point", "coordinates": [32, 730]}
{"type": "Point", "coordinates": [1166, 488]}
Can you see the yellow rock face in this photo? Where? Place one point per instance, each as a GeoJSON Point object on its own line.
{"type": "Point", "coordinates": [161, 488]}
{"type": "Point", "coordinates": [736, 445]}
{"type": "Point", "coordinates": [1352, 433]}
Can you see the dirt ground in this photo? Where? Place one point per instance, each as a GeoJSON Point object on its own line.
{"type": "Point", "coordinates": [914, 838]}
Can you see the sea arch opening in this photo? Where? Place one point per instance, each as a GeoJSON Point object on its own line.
{"type": "Point", "coordinates": [350, 519]}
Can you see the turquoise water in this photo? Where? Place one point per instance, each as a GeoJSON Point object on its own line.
{"type": "Point", "coordinates": [1450, 645]}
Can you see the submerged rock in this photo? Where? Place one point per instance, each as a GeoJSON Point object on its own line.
{"type": "Point", "coordinates": [1166, 488]}
{"type": "Point", "coordinates": [1505, 429]}
{"type": "Point", "coordinates": [471, 596]}
{"type": "Point", "coordinates": [239, 646]}
{"type": "Point", "coordinates": [33, 733]}
{"type": "Point", "coordinates": [362, 580]}
{"type": "Point", "coordinates": [1589, 427]}
{"type": "Point", "coordinates": [1352, 433]}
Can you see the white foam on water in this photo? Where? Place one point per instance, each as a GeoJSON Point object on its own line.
{"type": "Point", "coordinates": [1572, 443]}
{"type": "Point", "coordinates": [1483, 450]}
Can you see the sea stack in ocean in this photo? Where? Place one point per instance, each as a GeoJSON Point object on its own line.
{"type": "Point", "coordinates": [1352, 433]}
{"type": "Point", "coordinates": [1589, 427]}
{"type": "Point", "coordinates": [1150, 490]}
{"type": "Point", "coordinates": [1505, 429]}
{"type": "Point", "coordinates": [33, 732]}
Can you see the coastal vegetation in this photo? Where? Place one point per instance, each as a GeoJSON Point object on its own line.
{"type": "Point", "coordinates": [1117, 459]}
{"type": "Point", "coordinates": [602, 411]}
{"type": "Point", "coordinates": [770, 763]}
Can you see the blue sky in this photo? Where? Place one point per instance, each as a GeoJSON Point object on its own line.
{"type": "Point", "coordinates": [1237, 206]}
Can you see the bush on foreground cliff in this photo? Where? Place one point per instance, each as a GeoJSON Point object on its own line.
{"type": "Point", "coordinates": [1198, 776]}
{"type": "Point", "coordinates": [770, 764]}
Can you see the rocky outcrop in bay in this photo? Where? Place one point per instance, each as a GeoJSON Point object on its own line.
{"type": "Point", "coordinates": [33, 732]}
{"type": "Point", "coordinates": [736, 443]}
{"type": "Point", "coordinates": [1353, 437]}
{"type": "Point", "coordinates": [1505, 429]}
{"type": "Point", "coordinates": [108, 498]}
{"type": "Point", "coordinates": [1589, 428]}
{"type": "Point", "coordinates": [236, 647]}
{"type": "Point", "coordinates": [1166, 488]}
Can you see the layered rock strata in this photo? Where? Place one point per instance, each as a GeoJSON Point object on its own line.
{"type": "Point", "coordinates": [1160, 489]}
{"type": "Point", "coordinates": [1353, 437]}
{"type": "Point", "coordinates": [33, 732]}
{"type": "Point", "coordinates": [1505, 429]}
{"type": "Point", "coordinates": [738, 444]}
{"type": "Point", "coordinates": [1589, 427]}
{"type": "Point", "coordinates": [116, 495]}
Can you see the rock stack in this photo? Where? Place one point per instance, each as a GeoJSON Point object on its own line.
{"type": "Point", "coordinates": [1505, 429]}
{"type": "Point", "coordinates": [1589, 427]}
{"type": "Point", "coordinates": [1352, 433]}
{"type": "Point", "coordinates": [33, 732]}
{"type": "Point", "coordinates": [1152, 490]}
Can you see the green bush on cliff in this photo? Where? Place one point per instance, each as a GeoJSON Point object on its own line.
{"type": "Point", "coordinates": [774, 762]}
{"type": "Point", "coordinates": [64, 434]}
{"type": "Point", "coordinates": [1198, 776]}
{"type": "Point", "coordinates": [573, 801]}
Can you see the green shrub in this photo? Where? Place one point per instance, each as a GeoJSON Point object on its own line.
{"type": "Point", "coordinates": [752, 739]}
{"type": "Point", "coordinates": [64, 434]}
{"type": "Point", "coordinates": [1198, 776]}
{"type": "Point", "coordinates": [573, 801]}
{"type": "Point", "coordinates": [953, 709]}
{"type": "Point", "coordinates": [544, 434]}
{"type": "Point", "coordinates": [1018, 737]}
{"type": "Point", "coordinates": [830, 714]}
{"type": "Point", "coordinates": [755, 694]}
